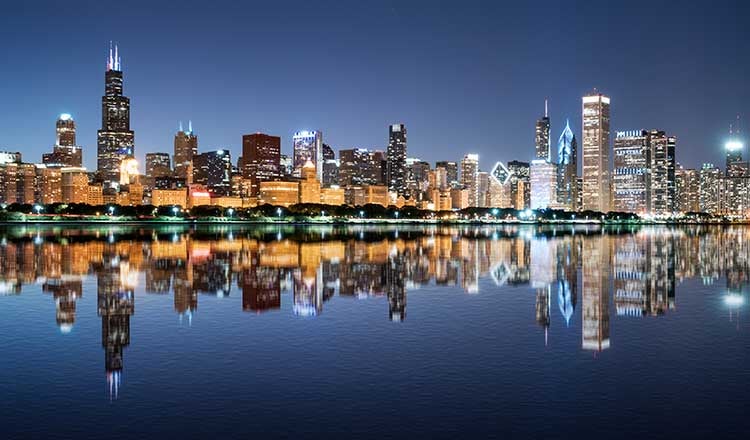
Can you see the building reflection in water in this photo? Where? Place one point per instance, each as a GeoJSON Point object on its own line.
{"type": "Point", "coordinates": [637, 271]}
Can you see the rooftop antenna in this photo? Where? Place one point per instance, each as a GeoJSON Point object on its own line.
{"type": "Point", "coordinates": [545, 108]}
{"type": "Point", "coordinates": [181, 126]}
{"type": "Point", "coordinates": [190, 126]}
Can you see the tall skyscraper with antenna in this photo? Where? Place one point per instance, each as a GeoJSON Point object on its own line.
{"type": "Point", "coordinates": [115, 140]}
{"type": "Point", "coordinates": [542, 140]}
{"type": "Point", "coordinates": [185, 148]}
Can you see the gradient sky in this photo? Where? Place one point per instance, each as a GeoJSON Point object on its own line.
{"type": "Point", "coordinates": [463, 76]}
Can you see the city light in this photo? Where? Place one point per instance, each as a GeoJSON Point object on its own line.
{"type": "Point", "coordinates": [734, 300]}
{"type": "Point", "coordinates": [733, 145]}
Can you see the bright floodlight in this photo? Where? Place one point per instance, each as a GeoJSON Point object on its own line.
{"type": "Point", "coordinates": [734, 300]}
{"type": "Point", "coordinates": [733, 145]}
{"type": "Point", "coordinates": [65, 117]}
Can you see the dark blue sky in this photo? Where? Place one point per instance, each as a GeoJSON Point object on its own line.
{"type": "Point", "coordinates": [463, 76]}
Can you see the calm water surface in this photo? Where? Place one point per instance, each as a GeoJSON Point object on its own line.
{"type": "Point", "coordinates": [115, 332]}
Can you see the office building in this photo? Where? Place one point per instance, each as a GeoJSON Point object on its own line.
{"type": "Point", "coordinates": [451, 171]}
{"type": "Point", "coordinates": [185, 148]}
{"type": "Point", "coordinates": [662, 176]}
{"type": "Point", "coordinates": [596, 182]}
{"type": "Point", "coordinates": [543, 178]}
{"type": "Point", "coordinates": [213, 170]}
{"type": "Point", "coordinates": [630, 178]}
{"type": "Point", "coordinates": [519, 184]}
{"type": "Point", "coordinates": [710, 191]}
{"type": "Point", "coordinates": [158, 165]}
{"type": "Point", "coordinates": [65, 152]}
{"type": "Point", "coordinates": [567, 169]}
{"type": "Point", "coordinates": [308, 146]}
{"type": "Point", "coordinates": [358, 167]}
{"type": "Point", "coordinates": [115, 140]}
{"type": "Point", "coordinates": [687, 189]}
{"type": "Point", "coordinates": [396, 159]}
{"type": "Point", "coordinates": [261, 159]}
{"type": "Point", "coordinates": [470, 178]}
{"type": "Point", "coordinates": [542, 138]}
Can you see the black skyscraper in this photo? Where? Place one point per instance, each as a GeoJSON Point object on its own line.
{"type": "Point", "coordinates": [396, 159]}
{"type": "Point", "coordinates": [115, 140]}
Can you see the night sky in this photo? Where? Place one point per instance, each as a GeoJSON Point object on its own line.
{"type": "Point", "coordinates": [463, 76]}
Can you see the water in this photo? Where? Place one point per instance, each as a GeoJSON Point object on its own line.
{"type": "Point", "coordinates": [430, 332]}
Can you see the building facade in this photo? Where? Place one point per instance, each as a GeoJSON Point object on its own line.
{"type": "Point", "coordinates": [567, 169]}
{"type": "Point", "coordinates": [396, 159]}
{"type": "Point", "coordinates": [308, 146]}
{"type": "Point", "coordinates": [213, 170]}
{"type": "Point", "coordinates": [261, 157]}
{"type": "Point", "coordinates": [542, 137]}
{"type": "Point", "coordinates": [470, 178]}
{"type": "Point", "coordinates": [185, 148]}
{"type": "Point", "coordinates": [630, 178]}
{"type": "Point", "coordinates": [65, 152]}
{"type": "Point", "coordinates": [596, 182]}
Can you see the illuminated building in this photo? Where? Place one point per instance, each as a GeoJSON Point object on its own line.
{"type": "Point", "coordinates": [451, 171]}
{"type": "Point", "coordinates": [662, 186]}
{"type": "Point", "coordinates": [542, 138]}
{"type": "Point", "coordinates": [330, 172]}
{"type": "Point", "coordinates": [596, 184]}
{"type": "Point", "coordinates": [567, 169]}
{"type": "Point", "coordinates": [227, 202]}
{"type": "Point", "coordinates": [261, 155]}
{"type": "Point", "coordinates": [49, 184]}
{"type": "Point", "coordinates": [469, 177]}
{"type": "Point", "coordinates": [632, 165]}
{"type": "Point", "coordinates": [438, 179]}
{"type": "Point", "coordinates": [687, 189]}
{"type": "Point", "coordinates": [710, 192]}
{"type": "Point", "coordinates": [17, 182]}
{"type": "Point", "coordinates": [279, 193]}
{"type": "Point", "coordinates": [417, 177]}
{"type": "Point", "coordinates": [169, 197]}
{"type": "Point", "coordinates": [543, 180]}
{"type": "Point", "coordinates": [198, 195]}
{"type": "Point", "coordinates": [368, 194]}
{"type": "Point", "coordinates": [519, 184]}
{"type": "Point", "coordinates": [459, 198]}
{"type": "Point", "coordinates": [500, 193]}
{"type": "Point", "coordinates": [308, 145]}
{"type": "Point", "coordinates": [115, 140]}
{"type": "Point", "coordinates": [158, 165]}
{"type": "Point", "coordinates": [95, 194]}
{"type": "Point", "coordinates": [309, 186]}
{"type": "Point", "coordinates": [483, 189]}
{"type": "Point", "coordinates": [737, 178]}
{"type": "Point", "coordinates": [333, 195]}
{"type": "Point", "coordinates": [286, 166]}
{"type": "Point", "coordinates": [358, 167]}
{"type": "Point", "coordinates": [185, 149]}
{"type": "Point", "coordinates": [128, 171]}
{"type": "Point", "coordinates": [396, 173]}
{"type": "Point", "coordinates": [213, 170]}
{"type": "Point", "coordinates": [65, 152]}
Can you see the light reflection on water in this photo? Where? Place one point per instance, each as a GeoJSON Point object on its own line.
{"type": "Point", "coordinates": [581, 278]}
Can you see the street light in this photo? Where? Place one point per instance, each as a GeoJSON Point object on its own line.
{"type": "Point", "coordinates": [230, 211]}
{"type": "Point", "coordinates": [38, 209]}
{"type": "Point", "coordinates": [175, 210]}
{"type": "Point", "coordinates": [111, 210]}
{"type": "Point", "coordinates": [396, 214]}
{"type": "Point", "coordinates": [361, 214]}
{"type": "Point", "coordinates": [278, 212]}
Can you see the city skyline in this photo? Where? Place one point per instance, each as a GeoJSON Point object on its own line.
{"type": "Point", "coordinates": [72, 90]}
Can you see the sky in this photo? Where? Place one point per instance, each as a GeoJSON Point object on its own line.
{"type": "Point", "coordinates": [464, 76]}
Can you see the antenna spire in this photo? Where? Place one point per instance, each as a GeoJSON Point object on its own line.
{"type": "Point", "coordinates": [181, 126]}
{"type": "Point", "coordinates": [545, 108]}
{"type": "Point", "coordinates": [110, 62]}
{"type": "Point", "coordinates": [190, 126]}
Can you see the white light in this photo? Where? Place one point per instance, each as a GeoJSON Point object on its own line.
{"type": "Point", "coordinates": [733, 145]}
{"type": "Point", "coordinates": [66, 117]}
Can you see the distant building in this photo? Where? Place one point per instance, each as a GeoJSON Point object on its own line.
{"type": "Point", "coordinates": [358, 167]}
{"type": "Point", "coordinates": [185, 149]}
{"type": "Point", "coordinates": [596, 182]}
{"type": "Point", "coordinates": [169, 197]}
{"type": "Point", "coordinates": [567, 169]}
{"type": "Point", "coordinates": [330, 172]}
{"type": "Point", "coordinates": [279, 193]}
{"type": "Point", "coordinates": [309, 186]}
{"type": "Point", "coordinates": [48, 184]}
{"type": "Point", "coordinates": [519, 184]}
{"type": "Point", "coordinates": [286, 166]}
{"type": "Point", "coordinates": [662, 186]}
{"type": "Point", "coordinates": [158, 165]}
{"type": "Point", "coordinates": [213, 170]}
{"type": "Point", "coordinates": [75, 185]}
{"type": "Point", "coordinates": [451, 171]}
{"type": "Point", "coordinates": [115, 140]}
{"type": "Point", "coordinates": [630, 178]}
{"type": "Point", "coordinates": [543, 178]}
{"type": "Point", "coordinates": [687, 189]}
{"type": "Point", "coordinates": [308, 146]}
{"type": "Point", "coordinates": [396, 159]}
{"type": "Point", "coordinates": [709, 197]}
{"type": "Point", "coordinates": [261, 154]}
{"type": "Point", "coordinates": [65, 152]}
{"type": "Point", "coordinates": [470, 178]}
{"type": "Point", "coordinates": [542, 138]}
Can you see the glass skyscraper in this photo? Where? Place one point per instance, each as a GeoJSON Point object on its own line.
{"type": "Point", "coordinates": [596, 191]}
{"type": "Point", "coordinates": [567, 169]}
{"type": "Point", "coordinates": [308, 145]}
{"type": "Point", "coordinates": [396, 159]}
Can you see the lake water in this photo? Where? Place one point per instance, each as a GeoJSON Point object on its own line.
{"type": "Point", "coordinates": [378, 332]}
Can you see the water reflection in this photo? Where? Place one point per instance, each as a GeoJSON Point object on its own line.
{"type": "Point", "coordinates": [634, 270]}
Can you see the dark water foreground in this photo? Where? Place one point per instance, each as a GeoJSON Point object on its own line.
{"type": "Point", "coordinates": [377, 332]}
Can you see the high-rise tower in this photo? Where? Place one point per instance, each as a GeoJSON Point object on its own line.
{"type": "Point", "coordinates": [65, 152]}
{"type": "Point", "coordinates": [185, 148]}
{"type": "Point", "coordinates": [396, 159]}
{"type": "Point", "coordinates": [115, 140]}
{"type": "Point", "coordinates": [542, 139]}
{"type": "Point", "coordinates": [596, 187]}
{"type": "Point", "coordinates": [567, 169]}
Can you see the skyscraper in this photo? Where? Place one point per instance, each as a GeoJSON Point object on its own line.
{"type": "Point", "coordinates": [214, 169]}
{"type": "Point", "coordinates": [542, 139]}
{"type": "Point", "coordinates": [687, 189]}
{"type": "Point", "coordinates": [543, 177]}
{"type": "Point", "coordinates": [662, 186]}
{"type": "Point", "coordinates": [358, 167]}
{"type": "Point", "coordinates": [308, 145]}
{"type": "Point", "coordinates": [567, 169]}
{"type": "Point", "coordinates": [65, 152]}
{"type": "Point", "coordinates": [519, 184]}
{"type": "Point", "coordinates": [709, 193]}
{"type": "Point", "coordinates": [451, 171]}
{"type": "Point", "coordinates": [396, 159]}
{"type": "Point", "coordinates": [185, 148]}
{"type": "Point", "coordinates": [632, 165]}
{"type": "Point", "coordinates": [158, 165]}
{"type": "Point", "coordinates": [470, 177]}
{"type": "Point", "coordinates": [596, 190]}
{"type": "Point", "coordinates": [115, 140]}
{"type": "Point", "coordinates": [261, 155]}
